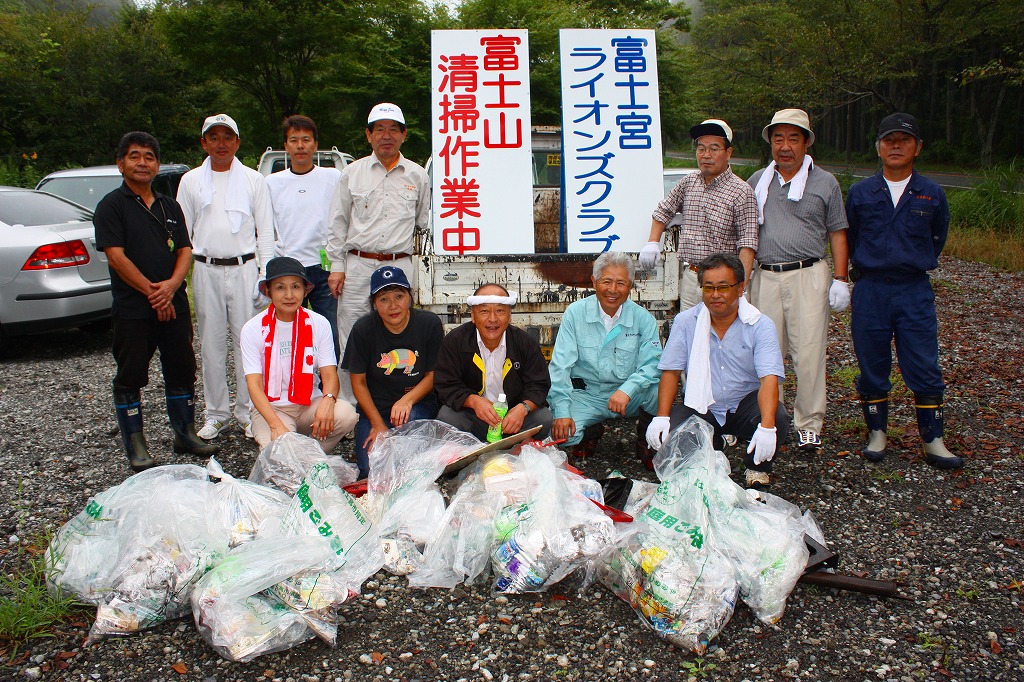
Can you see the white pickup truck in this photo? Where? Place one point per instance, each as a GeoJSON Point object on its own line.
{"type": "Point", "coordinates": [546, 281]}
{"type": "Point", "coordinates": [274, 160]}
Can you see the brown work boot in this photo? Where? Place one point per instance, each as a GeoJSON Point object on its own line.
{"type": "Point", "coordinates": [586, 447]}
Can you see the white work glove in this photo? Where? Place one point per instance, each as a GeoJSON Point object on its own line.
{"type": "Point", "coordinates": [650, 255]}
{"type": "Point", "coordinates": [762, 444]}
{"type": "Point", "coordinates": [839, 295]}
{"type": "Point", "coordinates": [657, 431]}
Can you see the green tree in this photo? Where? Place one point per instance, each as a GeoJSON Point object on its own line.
{"type": "Point", "coordinates": [544, 19]}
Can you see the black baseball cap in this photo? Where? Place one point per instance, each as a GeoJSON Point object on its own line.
{"type": "Point", "coordinates": [899, 123]}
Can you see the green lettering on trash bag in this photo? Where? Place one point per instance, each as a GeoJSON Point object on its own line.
{"type": "Point", "coordinates": [655, 513]}
{"type": "Point", "coordinates": [94, 509]}
{"type": "Point", "coordinates": [303, 495]}
{"type": "Point", "coordinates": [668, 521]}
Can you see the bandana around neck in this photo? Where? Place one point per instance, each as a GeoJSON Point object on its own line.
{"type": "Point", "coordinates": [300, 384]}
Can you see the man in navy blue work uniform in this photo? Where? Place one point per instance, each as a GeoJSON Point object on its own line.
{"type": "Point", "coordinates": [898, 225]}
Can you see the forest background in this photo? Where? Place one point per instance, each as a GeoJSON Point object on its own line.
{"type": "Point", "coordinates": [75, 75]}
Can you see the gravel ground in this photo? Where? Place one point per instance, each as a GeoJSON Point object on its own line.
{"type": "Point", "coordinates": [952, 539]}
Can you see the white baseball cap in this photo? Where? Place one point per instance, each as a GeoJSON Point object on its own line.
{"type": "Point", "coordinates": [386, 111]}
{"type": "Point", "coordinates": [220, 120]}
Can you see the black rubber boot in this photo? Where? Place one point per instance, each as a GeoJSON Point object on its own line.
{"type": "Point", "coordinates": [181, 412]}
{"type": "Point", "coordinates": [591, 435]}
{"type": "Point", "coordinates": [931, 428]}
{"type": "Point", "coordinates": [128, 406]}
{"type": "Point", "coordinates": [876, 416]}
{"type": "Point", "coordinates": [643, 452]}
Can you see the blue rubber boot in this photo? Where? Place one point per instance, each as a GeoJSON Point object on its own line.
{"type": "Point", "coordinates": [929, 424]}
{"type": "Point", "coordinates": [128, 406]}
{"type": "Point", "coordinates": [876, 416]}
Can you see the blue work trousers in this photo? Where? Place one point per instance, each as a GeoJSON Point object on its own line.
{"type": "Point", "coordinates": [886, 308]}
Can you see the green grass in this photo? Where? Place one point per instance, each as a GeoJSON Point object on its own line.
{"type": "Point", "coordinates": [987, 221]}
{"type": "Point", "coordinates": [928, 641]}
{"type": "Point", "coordinates": [887, 476]}
{"type": "Point", "coordinates": [846, 376]}
{"type": "Point", "coordinates": [19, 172]}
{"type": "Point", "coordinates": [28, 609]}
{"type": "Point", "coordinates": [967, 592]}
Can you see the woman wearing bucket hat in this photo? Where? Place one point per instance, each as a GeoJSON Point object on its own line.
{"type": "Point", "coordinates": [282, 349]}
{"type": "Point", "coordinates": [390, 355]}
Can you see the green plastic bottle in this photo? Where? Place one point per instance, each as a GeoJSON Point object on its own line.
{"type": "Point", "coordinates": [501, 407]}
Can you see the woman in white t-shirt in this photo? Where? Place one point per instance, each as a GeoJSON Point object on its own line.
{"type": "Point", "coordinates": [283, 348]}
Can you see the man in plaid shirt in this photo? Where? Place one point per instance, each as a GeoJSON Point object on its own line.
{"type": "Point", "coordinates": [718, 210]}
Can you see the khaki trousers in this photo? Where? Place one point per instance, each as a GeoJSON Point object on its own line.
{"type": "Point", "coordinates": [299, 418]}
{"type": "Point", "coordinates": [797, 302]}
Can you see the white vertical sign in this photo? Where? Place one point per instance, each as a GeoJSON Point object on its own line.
{"type": "Point", "coordinates": [611, 127]}
{"type": "Point", "coordinates": [482, 164]}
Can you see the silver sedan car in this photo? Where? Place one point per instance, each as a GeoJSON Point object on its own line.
{"type": "Point", "coordinates": [51, 275]}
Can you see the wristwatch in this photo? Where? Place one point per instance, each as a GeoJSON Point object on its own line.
{"type": "Point", "coordinates": [331, 396]}
{"type": "Point", "coordinates": [527, 406]}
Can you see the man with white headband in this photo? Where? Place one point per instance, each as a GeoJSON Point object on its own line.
{"type": "Point", "coordinates": [487, 357]}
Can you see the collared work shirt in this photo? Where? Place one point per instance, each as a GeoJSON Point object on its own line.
{"type": "Point", "coordinates": [738, 362]}
{"type": "Point", "coordinates": [906, 239]}
{"type": "Point", "coordinates": [377, 210]}
{"type": "Point", "coordinates": [798, 230]}
{"type": "Point", "coordinates": [720, 217]}
{"type": "Point", "coordinates": [624, 359]}
{"type": "Point", "coordinates": [494, 363]}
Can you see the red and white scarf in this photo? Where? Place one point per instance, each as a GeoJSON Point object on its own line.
{"type": "Point", "coordinates": [300, 387]}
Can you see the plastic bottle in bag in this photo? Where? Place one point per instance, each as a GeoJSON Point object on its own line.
{"type": "Point", "coordinates": [501, 407]}
{"type": "Point", "coordinates": [519, 557]}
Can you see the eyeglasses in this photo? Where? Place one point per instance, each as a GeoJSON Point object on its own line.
{"type": "Point", "coordinates": [720, 289]}
{"type": "Point", "coordinates": [713, 149]}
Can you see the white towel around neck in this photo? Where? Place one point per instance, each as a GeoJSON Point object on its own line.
{"type": "Point", "coordinates": [698, 394]}
{"type": "Point", "coordinates": [796, 185]}
{"type": "Point", "coordinates": [236, 203]}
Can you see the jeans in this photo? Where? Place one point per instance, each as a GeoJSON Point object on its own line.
{"type": "Point", "coordinates": [322, 301]}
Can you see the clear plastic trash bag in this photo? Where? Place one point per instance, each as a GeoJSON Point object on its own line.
{"type": "Point", "coordinates": [137, 548]}
{"type": "Point", "coordinates": [286, 459]}
{"type": "Point", "coordinates": [402, 497]}
{"type": "Point", "coordinates": [237, 606]}
{"type": "Point", "coordinates": [243, 505]}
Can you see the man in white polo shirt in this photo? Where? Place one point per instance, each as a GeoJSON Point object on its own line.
{"type": "Point", "coordinates": [231, 224]}
{"type": "Point", "coordinates": [380, 202]}
{"type": "Point", "coordinates": [302, 194]}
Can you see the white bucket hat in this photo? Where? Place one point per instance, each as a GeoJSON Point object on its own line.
{"type": "Point", "coordinates": [794, 117]}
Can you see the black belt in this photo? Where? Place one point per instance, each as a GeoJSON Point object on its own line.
{"type": "Point", "coordinates": [786, 267]}
{"type": "Point", "coordinates": [237, 260]}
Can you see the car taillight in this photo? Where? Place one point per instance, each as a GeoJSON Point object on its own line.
{"type": "Point", "coordinates": [60, 255]}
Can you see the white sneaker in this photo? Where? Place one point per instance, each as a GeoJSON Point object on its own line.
{"type": "Point", "coordinates": [213, 428]}
{"type": "Point", "coordinates": [809, 441]}
{"type": "Point", "coordinates": [248, 430]}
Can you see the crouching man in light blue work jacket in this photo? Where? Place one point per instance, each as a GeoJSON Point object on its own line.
{"type": "Point", "coordinates": [605, 361]}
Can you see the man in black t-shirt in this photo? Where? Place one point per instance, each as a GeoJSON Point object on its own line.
{"type": "Point", "coordinates": [148, 251]}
